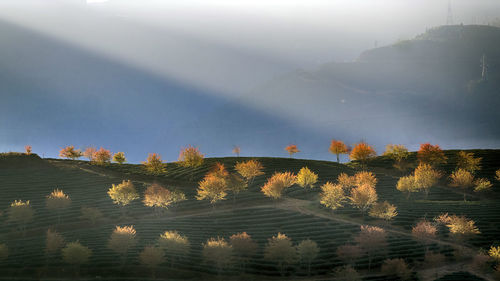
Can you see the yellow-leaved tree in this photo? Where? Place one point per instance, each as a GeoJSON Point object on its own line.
{"type": "Point", "coordinates": [276, 185]}
{"type": "Point", "coordinates": [214, 186]}
{"type": "Point", "coordinates": [57, 201]}
{"type": "Point", "coordinates": [280, 250]}
{"type": "Point", "coordinates": [249, 169]}
{"type": "Point", "coordinates": [217, 251]}
{"type": "Point", "coordinates": [332, 196]}
{"type": "Point", "coordinates": [122, 240]}
{"type": "Point", "coordinates": [154, 165]}
{"type": "Point", "coordinates": [175, 245]}
{"type": "Point", "coordinates": [124, 193]}
{"type": "Point", "coordinates": [306, 178]}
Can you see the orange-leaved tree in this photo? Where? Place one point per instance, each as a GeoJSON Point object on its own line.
{"type": "Point", "coordinates": [431, 154]}
{"type": "Point", "coordinates": [276, 185]}
{"type": "Point", "coordinates": [89, 153]}
{"type": "Point", "coordinates": [190, 157]}
{"type": "Point", "coordinates": [154, 165]}
{"type": "Point", "coordinates": [102, 156]}
{"type": "Point", "coordinates": [372, 240]}
{"type": "Point", "coordinates": [27, 149]}
{"type": "Point", "coordinates": [292, 149]}
{"type": "Point", "coordinates": [236, 150]}
{"type": "Point", "coordinates": [70, 152]}
{"type": "Point", "coordinates": [215, 185]}
{"type": "Point", "coordinates": [362, 152]}
{"type": "Point", "coordinates": [338, 147]}
{"type": "Point", "coordinates": [249, 169]}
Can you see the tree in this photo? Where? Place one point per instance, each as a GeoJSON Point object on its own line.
{"type": "Point", "coordinates": [497, 175]}
{"type": "Point", "coordinates": [154, 165]}
{"type": "Point", "coordinates": [89, 153]}
{"type": "Point", "coordinates": [175, 245]}
{"type": "Point", "coordinates": [214, 186]}
{"type": "Point", "coordinates": [91, 214]}
{"type": "Point", "coordinates": [21, 213]}
{"type": "Point", "coordinates": [424, 231]}
{"type": "Point", "coordinates": [280, 250]}
{"type": "Point", "coordinates": [460, 227]}
{"type": "Point", "coordinates": [407, 184]}
{"type": "Point", "coordinates": [396, 267]}
{"type": "Point", "coordinates": [4, 252]}
{"type": "Point", "coordinates": [119, 158]}
{"type": "Point", "coordinates": [397, 152]}
{"type": "Point", "coordinates": [365, 178]}
{"type": "Point", "coordinates": [425, 177]}
{"type": "Point", "coordinates": [332, 196]}
{"type": "Point", "coordinates": [462, 179]}
{"type": "Point", "coordinates": [276, 185]}
{"type": "Point", "coordinates": [362, 152]}
{"type": "Point", "coordinates": [338, 147]}
{"type": "Point", "coordinates": [70, 152]}
{"type": "Point", "coordinates": [372, 240]}
{"type": "Point", "coordinates": [122, 239]}
{"type": "Point", "coordinates": [190, 157]}
{"type": "Point", "coordinates": [308, 251]}
{"type": "Point", "coordinates": [292, 149]}
{"type": "Point", "coordinates": [236, 150]}
{"type": "Point", "coordinates": [468, 162]}
{"type": "Point", "coordinates": [347, 273]}
{"type": "Point", "coordinates": [383, 210]}
{"type": "Point", "coordinates": [349, 253]}
{"type": "Point", "coordinates": [218, 252]}
{"type": "Point", "coordinates": [346, 181]}
{"type": "Point", "coordinates": [76, 254]}
{"type": "Point", "coordinates": [494, 253]}
{"type": "Point", "coordinates": [306, 178]}
{"type": "Point", "coordinates": [57, 201]}
{"type": "Point", "coordinates": [482, 185]}
{"type": "Point", "coordinates": [363, 197]}
{"type": "Point", "coordinates": [152, 257]}
{"type": "Point", "coordinates": [53, 243]}
{"type": "Point", "coordinates": [27, 149]}
{"type": "Point", "coordinates": [158, 197]}
{"type": "Point", "coordinates": [244, 248]}
{"type": "Point", "coordinates": [249, 169]}
{"type": "Point", "coordinates": [431, 154]}
{"type": "Point", "coordinates": [102, 156]}
{"type": "Point", "coordinates": [236, 184]}
{"type": "Point", "coordinates": [123, 193]}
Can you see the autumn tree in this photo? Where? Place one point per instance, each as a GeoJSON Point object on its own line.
{"type": "Point", "coordinates": [372, 240]}
{"type": "Point", "coordinates": [175, 245]}
{"type": "Point", "coordinates": [152, 257]}
{"type": "Point", "coordinates": [4, 252]}
{"type": "Point", "coordinates": [27, 149]}
{"type": "Point", "coordinates": [218, 252]}
{"type": "Point", "coordinates": [280, 250]}
{"type": "Point", "coordinates": [292, 149]}
{"type": "Point", "coordinates": [346, 181]}
{"type": "Point", "coordinates": [102, 156]}
{"type": "Point", "coordinates": [57, 201]}
{"type": "Point", "coordinates": [346, 273]}
{"type": "Point", "coordinates": [482, 185]}
{"type": "Point", "coordinates": [154, 165]}
{"type": "Point", "coordinates": [306, 178]}
{"type": "Point", "coordinates": [236, 150]}
{"type": "Point", "coordinates": [424, 232]}
{"type": "Point", "coordinates": [214, 186]}
{"type": "Point", "coordinates": [249, 169]}
{"type": "Point", "coordinates": [463, 179]}
{"type": "Point", "coordinates": [383, 210]}
{"type": "Point", "coordinates": [119, 157]}
{"type": "Point", "coordinates": [123, 193]}
{"type": "Point", "coordinates": [349, 253]}
{"type": "Point", "coordinates": [21, 214]}
{"type": "Point", "coordinates": [190, 157]}
{"type": "Point", "coordinates": [397, 152]}
{"type": "Point", "coordinates": [89, 153]}
{"type": "Point", "coordinates": [363, 197]}
{"type": "Point", "coordinates": [91, 214]}
{"type": "Point", "coordinates": [397, 268]}
{"type": "Point", "coordinates": [365, 178]}
{"type": "Point", "coordinates": [426, 177]}
{"type": "Point", "coordinates": [76, 254]}
{"type": "Point", "coordinates": [332, 196]}
{"type": "Point", "coordinates": [338, 147]}
{"type": "Point", "coordinates": [122, 240]}
{"type": "Point", "coordinates": [307, 251]}
{"type": "Point", "coordinates": [497, 175]}
{"type": "Point", "coordinates": [53, 243]}
{"type": "Point", "coordinates": [159, 198]}
{"type": "Point", "coordinates": [460, 227]}
{"type": "Point", "coordinates": [244, 248]}
{"type": "Point", "coordinates": [236, 184]}
{"type": "Point", "coordinates": [431, 154]}
{"type": "Point", "coordinates": [407, 184]}
{"type": "Point", "coordinates": [276, 185]}
{"type": "Point", "coordinates": [467, 161]}
{"type": "Point", "coordinates": [362, 152]}
{"type": "Point", "coordinates": [70, 152]}
{"type": "Point", "coordinates": [494, 253]}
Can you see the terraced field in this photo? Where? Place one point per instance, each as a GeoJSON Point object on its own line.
{"type": "Point", "coordinates": [299, 215]}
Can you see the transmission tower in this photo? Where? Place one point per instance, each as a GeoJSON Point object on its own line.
{"type": "Point", "coordinates": [449, 18]}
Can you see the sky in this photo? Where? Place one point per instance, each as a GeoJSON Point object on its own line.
{"type": "Point", "coordinates": [217, 51]}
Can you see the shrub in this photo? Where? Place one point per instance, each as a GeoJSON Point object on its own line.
{"type": "Point", "coordinates": [119, 158]}
{"type": "Point", "coordinates": [332, 196]}
{"type": "Point", "coordinates": [175, 245]}
{"type": "Point", "coordinates": [396, 267]}
{"type": "Point", "coordinates": [122, 239]}
{"type": "Point", "coordinates": [276, 185]}
{"type": "Point", "coordinates": [152, 257]}
{"type": "Point", "coordinates": [280, 250]}
{"type": "Point", "coordinates": [154, 165]}
{"type": "Point", "coordinates": [292, 149]}
{"type": "Point", "coordinates": [70, 152]}
{"type": "Point", "coordinates": [306, 178]}
{"type": "Point", "coordinates": [249, 169]}
{"type": "Point", "coordinates": [338, 147]}
{"type": "Point", "coordinates": [91, 214]}
{"type": "Point", "coordinates": [383, 210]}
{"type": "Point", "coordinates": [431, 154]}
{"type": "Point", "coordinates": [308, 251]}
{"type": "Point", "coordinates": [218, 252]}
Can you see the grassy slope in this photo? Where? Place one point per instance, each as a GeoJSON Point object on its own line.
{"type": "Point", "coordinates": [31, 178]}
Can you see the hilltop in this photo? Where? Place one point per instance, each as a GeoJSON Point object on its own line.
{"type": "Point", "coordinates": [299, 215]}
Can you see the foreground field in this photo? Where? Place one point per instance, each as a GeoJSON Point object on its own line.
{"type": "Point", "coordinates": [299, 215]}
